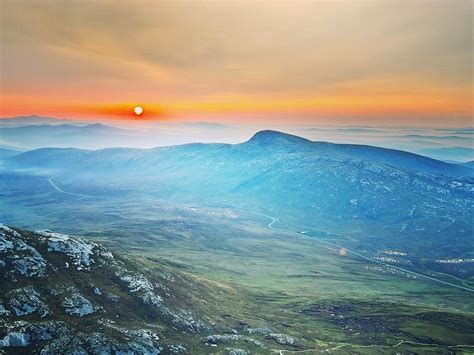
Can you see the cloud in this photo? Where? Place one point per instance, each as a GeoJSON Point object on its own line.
{"type": "Point", "coordinates": [181, 50]}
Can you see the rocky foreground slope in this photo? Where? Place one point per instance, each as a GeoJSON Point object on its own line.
{"type": "Point", "coordinates": [62, 294]}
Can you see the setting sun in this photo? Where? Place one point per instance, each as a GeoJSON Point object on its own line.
{"type": "Point", "coordinates": [138, 110]}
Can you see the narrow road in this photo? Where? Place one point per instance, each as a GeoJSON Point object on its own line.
{"type": "Point", "coordinates": [391, 265]}
{"type": "Point", "coordinates": [273, 220]}
{"type": "Point", "coordinates": [57, 188]}
{"type": "Point", "coordinates": [318, 240]}
{"type": "Point", "coordinates": [270, 225]}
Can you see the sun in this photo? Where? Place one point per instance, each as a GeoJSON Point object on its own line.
{"type": "Point", "coordinates": [138, 110]}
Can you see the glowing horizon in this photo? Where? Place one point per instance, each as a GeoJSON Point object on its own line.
{"type": "Point", "coordinates": [239, 62]}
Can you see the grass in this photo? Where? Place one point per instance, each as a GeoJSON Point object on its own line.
{"type": "Point", "coordinates": [258, 276]}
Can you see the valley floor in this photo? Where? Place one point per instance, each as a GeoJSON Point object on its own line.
{"type": "Point", "coordinates": [310, 286]}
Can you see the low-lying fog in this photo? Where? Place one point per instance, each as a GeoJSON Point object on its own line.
{"type": "Point", "coordinates": [25, 133]}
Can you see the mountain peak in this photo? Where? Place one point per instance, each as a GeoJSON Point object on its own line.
{"type": "Point", "coordinates": [270, 137]}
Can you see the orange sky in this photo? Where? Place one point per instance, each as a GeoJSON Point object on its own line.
{"type": "Point", "coordinates": [322, 62]}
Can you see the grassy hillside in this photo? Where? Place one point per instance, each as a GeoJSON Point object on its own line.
{"type": "Point", "coordinates": [249, 294]}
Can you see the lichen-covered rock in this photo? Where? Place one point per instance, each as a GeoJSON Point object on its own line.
{"type": "Point", "coordinates": [4, 311]}
{"type": "Point", "coordinates": [80, 278]}
{"type": "Point", "coordinates": [77, 305]}
{"type": "Point", "coordinates": [259, 330]}
{"type": "Point", "coordinates": [24, 259]}
{"type": "Point", "coordinates": [185, 320]}
{"type": "Point", "coordinates": [21, 334]}
{"type": "Point", "coordinates": [10, 231]}
{"type": "Point", "coordinates": [15, 339]}
{"type": "Point", "coordinates": [5, 244]}
{"type": "Point", "coordinates": [141, 286]}
{"type": "Point", "coordinates": [30, 266]}
{"type": "Point", "coordinates": [220, 339]}
{"type": "Point", "coordinates": [80, 251]}
{"type": "Point", "coordinates": [27, 300]}
{"type": "Point", "coordinates": [99, 343]}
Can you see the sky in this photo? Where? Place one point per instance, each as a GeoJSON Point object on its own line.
{"type": "Point", "coordinates": [379, 62]}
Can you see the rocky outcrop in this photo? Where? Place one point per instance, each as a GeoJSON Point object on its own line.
{"type": "Point", "coordinates": [222, 339]}
{"type": "Point", "coordinates": [25, 301]}
{"type": "Point", "coordinates": [48, 276]}
{"type": "Point", "coordinates": [61, 294]}
{"type": "Point", "coordinates": [77, 305]}
{"type": "Point", "coordinates": [18, 258]}
{"type": "Point", "coordinates": [81, 253]}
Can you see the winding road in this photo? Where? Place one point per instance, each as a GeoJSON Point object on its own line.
{"type": "Point", "coordinates": [273, 220]}
{"type": "Point", "coordinates": [57, 188]}
{"type": "Point", "coordinates": [349, 251]}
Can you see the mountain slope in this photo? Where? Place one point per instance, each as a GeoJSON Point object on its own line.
{"type": "Point", "coordinates": [5, 153]}
{"type": "Point", "coordinates": [392, 157]}
{"type": "Point", "coordinates": [455, 154]}
{"type": "Point", "coordinates": [63, 294]}
{"type": "Point", "coordinates": [264, 142]}
{"type": "Point", "coordinates": [63, 285]}
{"type": "Point", "coordinates": [391, 197]}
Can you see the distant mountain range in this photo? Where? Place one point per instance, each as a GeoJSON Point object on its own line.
{"type": "Point", "coordinates": [263, 142]}
{"type": "Point", "coordinates": [366, 192]}
{"type": "Point", "coordinates": [92, 136]}
{"type": "Point", "coordinates": [13, 132]}
{"type": "Point", "coordinates": [31, 132]}
{"type": "Point", "coordinates": [34, 120]}
{"type": "Point", "coordinates": [31, 120]}
{"type": "Point", "coordinates": [447, 144]}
